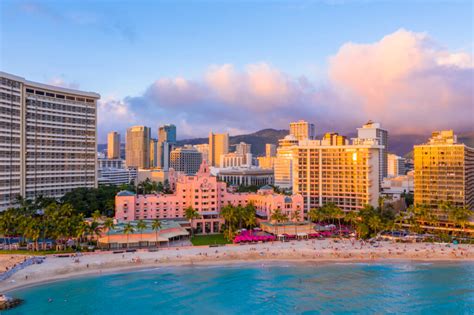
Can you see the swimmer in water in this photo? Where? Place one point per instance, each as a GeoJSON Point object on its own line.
{"type": "Point", "coordinates": [50, 300]}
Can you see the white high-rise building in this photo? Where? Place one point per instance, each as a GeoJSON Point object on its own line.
{"type": "Point", "coordinates": [395, 165]}
{"type": "Point", "coordinates": [372, 130]}
{"type": "Point", "coordinates": [283, 162]}
{"type": "Point", "coordinates": [48, 139]}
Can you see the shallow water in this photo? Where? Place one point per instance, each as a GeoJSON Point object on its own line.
{"type": "Point", "coordinates": [415, 288]}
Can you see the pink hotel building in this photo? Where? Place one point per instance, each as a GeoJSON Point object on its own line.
{"type": "Point", "coordinates": [205, 194]}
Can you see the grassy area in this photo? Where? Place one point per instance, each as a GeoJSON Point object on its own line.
{"type": "Point", "coordinates": [209, 239]}
{"type": "Point", "coordinates": [34, 253]}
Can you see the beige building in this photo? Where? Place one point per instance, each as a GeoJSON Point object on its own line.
{"type": "Point", "coordinates": [243, 148]}
{"type": "Point", "coordinates": [48, 139]}
{"type": "Point", "coordinates": [204, 149]}
{"type": "Point", "coordinates": [302, 130]}
{"type": "Point", "coordinates": [113, 145]}
{"type": "Point", "coordinates": [444, 171]}
{"type": "Point", "coordinates": [347, 175]}
{"type": "Point", "coordinates": [137, 147]}
{"type": "Point", "coordinates": [186, 160]}
{"type": "Point", "coordinates": [333, 138]}
{"type": "Point", "coordinates": [270, 150]}
{"type": "Point", "coordinates": [234, 159]}
{"type": "Point", "coordinates": [283, 162]}
{"type": "Point", "coordinates": [153, 153]}
{"type": "Point", "coordinates": [395, 165]}
{"type": "Point", "coordinates": [266, 162]}
{"type": "Point", "coordinates": [218, 145]}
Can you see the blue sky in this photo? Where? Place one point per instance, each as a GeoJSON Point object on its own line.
{"type": "Point", "coordinates": [119, 48]}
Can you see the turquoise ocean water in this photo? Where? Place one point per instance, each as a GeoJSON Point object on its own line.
{"type": "Point", "coordinates": [283, 288]}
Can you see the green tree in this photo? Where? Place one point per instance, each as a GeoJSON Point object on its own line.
{"type": "Point", "coordinates": [156, 226]}
{"type": "Point", "coordinates": [191, 214]}
{"type": "Point", "coordinates": [141, 226]}
{"type": "Point", "coordinates": [109, 225]}
{"type": "Point", "coordinates": [295, 217]}
{"type": "Point", "coordinates": [127, 230]}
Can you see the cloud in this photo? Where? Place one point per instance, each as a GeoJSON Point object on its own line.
{"type": "Point", "coordinates": [406, 81]}
{"type": "Point", "coordinates": [58, 81]}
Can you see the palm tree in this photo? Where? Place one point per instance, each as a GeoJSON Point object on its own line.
{"type": "Point", "coordinates": [277, 217]}
{"type": "Point", "coordinates": [141, 226]}
{"type": "Point", "coordinates": [295, 217]}
{"type": "Point", "coordinates": [352, 217]}
{"type": "Point", "coordinates": [109, 225]}
{"type": "Point", "coordinates": [230, 215]}
{"type": "Point", "coordinates": [191, 214]}
{"type": "Point", "coordinates": [375, 223]}
{"type": "Point", "coordinates": [96, 215]}
{"type": "Point", "coordinates": [7, 224]}
{"type": "Point", "coordinates": [156, 226]}
{"type": "Point", "coordinates": [127, 230]}
{"type": "Point", "coordinates": [249, 215]}
{"type": "Point", "coordinates": [459, 216]}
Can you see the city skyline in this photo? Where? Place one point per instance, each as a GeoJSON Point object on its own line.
{"type": "Point", "coordinates": [257, 76]}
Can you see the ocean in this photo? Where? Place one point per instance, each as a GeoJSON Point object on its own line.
{"type": "Point", "coordinates": [269, 288]}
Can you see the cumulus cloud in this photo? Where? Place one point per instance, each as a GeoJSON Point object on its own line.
{"type": "Point", "coordinates": [406, 81]}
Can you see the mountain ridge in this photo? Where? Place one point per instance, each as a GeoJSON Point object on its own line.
{"type": "Point", "coordinates": [399, 144]}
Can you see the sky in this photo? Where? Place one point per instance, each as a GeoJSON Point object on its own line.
{"type": "Point", "coordinates": [242, 66]}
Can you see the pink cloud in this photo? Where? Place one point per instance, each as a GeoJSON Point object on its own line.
{"type": "Point", "coordinates": [405, 80]}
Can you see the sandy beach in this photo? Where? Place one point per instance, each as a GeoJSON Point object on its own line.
{"type": "Point", "coordinates": [56, 268]}
{"type": "Point", "coordinates": [9, 261]}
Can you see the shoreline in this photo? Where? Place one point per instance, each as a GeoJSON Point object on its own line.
{"type": "Point", "coordinates": [55, 269]}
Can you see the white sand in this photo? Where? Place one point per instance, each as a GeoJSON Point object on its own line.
{"type": "Point", "coordinates": [55, 268]}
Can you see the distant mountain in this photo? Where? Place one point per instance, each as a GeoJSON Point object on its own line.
{"type": "Point", "coordinates": [257, 139]}
{"type": "Point", "coordinates": [399, 144]}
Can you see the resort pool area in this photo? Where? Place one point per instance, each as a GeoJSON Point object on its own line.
{"type": "Point", "coordinates": [256, 288]}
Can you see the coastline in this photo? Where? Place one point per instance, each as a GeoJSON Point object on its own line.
{"type": "Point", "coordinates": [317, 252]}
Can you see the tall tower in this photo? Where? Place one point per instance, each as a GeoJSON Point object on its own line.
{"type": "Point", "coordinates": [48, 139]}
{"type": "Point", "coordinates": [166, 141]}
{"type": "Point", "coordinates": [137, 151]}
{"type": "Point", "coordinates": [218, 145]}
{"type": "Point", "coordinates": [373, 131]}
{"type": "Point", "coordinates": [302, 130]}
{"type": "Point", "coordinates": [444, 171]}
{"type": "Point", "coordinates": [113, 145]}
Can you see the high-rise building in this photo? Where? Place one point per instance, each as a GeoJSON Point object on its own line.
{"type": "Point", "coordinates": [283, 162]}
{"type": "Point", "coordinates": [137, 153]}
{"type": "Point", "coordinates": [243, 148]}
{"type": "Point", "coordinates": [166, 142]}
{"type": "Point", "coordinates": [302, 130]}
{"type": "Point", "coordinates": [218, 145]}
{"type": "Point", "coordinates": [153, 153]}
{"type": "Point", "coordinates": [372, 130]}
{"type": "Point", "coordinates": [444, 171]}
{"type": "Point", "coordinates": [47, 139]}
{"type": "Point", "coordinates": [347, 175]}
{"type": "Point", "coordinates": [333, 138]}
{"type": "Point", "coordinates": [270, 150]}
{"type": "Point", "coordinates": [167, 133]}
{"type": "Point", "coordinates": [204, 149]}
{"type": "Point", "coordinates": [113, 145]}
{"type": "Point", "coordinates": [186, 159]}
{"type": "Point", "coordinates": [234, 159]}
{"type": "Point", "coordinates": [395, 165]}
